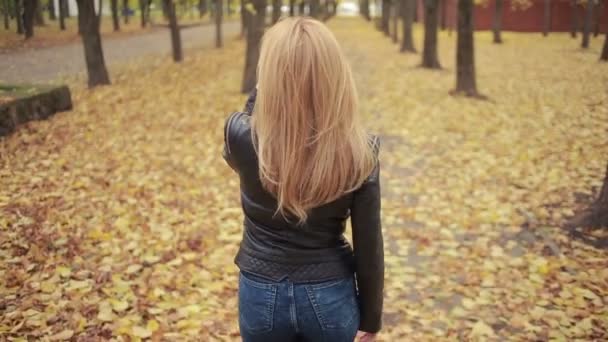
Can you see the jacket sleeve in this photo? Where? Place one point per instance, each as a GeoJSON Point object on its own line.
{"type": "Point", "coordinates": [250, 102]}
{"type": "Point", "coordinates": [369, 252]}
{"type": "Point", "coordinates": [226, 153]}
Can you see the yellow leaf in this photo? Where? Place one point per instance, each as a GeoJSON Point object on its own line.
{"type": "Point", "coordinates": [480, 329]}
{"type": "Point", "coordinates": [62, 336]}
{"type": "Point", "coordinates": [142, 332]}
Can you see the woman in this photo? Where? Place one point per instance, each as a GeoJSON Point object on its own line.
{"type": "Point", "coordinates": [306, 166]}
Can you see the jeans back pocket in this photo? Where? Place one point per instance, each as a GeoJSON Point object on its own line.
{"type": "Point", "coordinates": [256, 305]}
{"type": "Point", "coordinates": [335, 303]}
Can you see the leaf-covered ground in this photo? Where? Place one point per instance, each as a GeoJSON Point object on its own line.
{"type": "Point", "coordinates": [120, 220]}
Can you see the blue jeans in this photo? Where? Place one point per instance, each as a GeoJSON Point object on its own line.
{"type": "Point", "coordinates": [284, 311]}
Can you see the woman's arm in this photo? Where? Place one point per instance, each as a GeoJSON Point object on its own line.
{"type": "Point", "coordinates": [369, 252]}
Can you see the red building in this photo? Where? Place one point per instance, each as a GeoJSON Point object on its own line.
{"type": "Point", "coordinates": [524, 18]}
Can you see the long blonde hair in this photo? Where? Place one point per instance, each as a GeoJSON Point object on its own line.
{"type": "Point", "coordinates": [311, 146]}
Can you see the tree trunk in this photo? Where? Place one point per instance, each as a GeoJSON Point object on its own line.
{"type": "Point", "coordinates": [596, 216]}
{"type": "Point", "coordinates": [29, 11]}
{"type": "Point", "coordinates": [395, 19]}
{"type": "Point", "coordinates": [100, 12]}
{"type": "Point", "coordinates": [587, 24]}
{"type": "Point", "coordinates": [444, 14]}
{"type": "Point", "coordinates": [429, 54]}
{"type": "Point", "coordinates": [604, 55]}
{"type": "Point", "coordinates": [302, 8]}
{"type": "Point", "coordinates": [125, 11]}
{"type": "Point", "coordinates": [219, 13]}
{"type": "Point", "coordinates": [292, 8]}
{"type": "Point", "coordinates": [67, 9]}
{"type": "Point", "coordinates": [19, 15]}
{"type": "Point", "coordinates": [547, 18]}
{"type": "Point", "coordinates": [407, 12]}
{"type": "Point", "coordinates": [6, 14]}
{"type": "Point", "coordinates": [416, 19]}
{"type": "Point", "coordinates": [255, 30]}
{"type": "Point", "coordinates": [575, 25]}
{"type": "Point", "coordinates": [386, 14]}
{"type": "Point", "coordinates": [62, 6]}
{"type": "Point", "coordinates": [497, 22]}
{"type": "Point", "coordinates": [364, 9]}
{"type": "Point", "coordinates": [115, 15]}
{"type": "Point", "coordinates": [314, 9]}
{"type": "Point", "coordinates": [142, 9]}
{"type": "Point", "coordinates": [91, 40]}
{"type": "Point", "coordinates": [465, 54]}
{"type": "Point", "coordinates": [243, 18]}
{"type": "Point", "coordinates": [598, 19]}
{"type": "Point", "coordinates": [38, 17]}
{"type": "Point", "coordinates": [176, 40]}
{"type": "Point", "coordinates": [276, 10]}
{"type": "Point", "coordinates": [52, 14]}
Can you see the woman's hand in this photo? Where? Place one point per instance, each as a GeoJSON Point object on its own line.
{"type": "Point", "coordinates": [366, 337]}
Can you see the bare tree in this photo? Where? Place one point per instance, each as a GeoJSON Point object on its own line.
{"type": "Point", "coordinates": [62, 5]}
{"type": "Point", "coordinates": [143, 5]}
{"type": "Point", "coordinates": [115, 15]}
{"type": "Point", "coordinates": [407, 12]}
{"type": "Point", "coordinates": [385, 19]}
{"type": "Point", "coordinates": [575, 24]}
{"type": "Point", "coordinates": [364, 9]}
{"type": "Point", "coordinates": [38, 17]}
{"type": "Point", "coordinates": [29, 11]}
{"type": "Point", "coordinates": [125, 11]}
{"type": "Point", "coordinates": [52, 14]}
{"type": "Point", "coordinates": [395, 19]}
{"type": "Point", "coordinates": [176, 39]}
{"type": "Point", "coordinates": [430, 58]}
{"type": "Point", "coordinates": [497, 21]}
{"type": "Point", "coordinates": [465, 54]}
{"type": "Point", "coordinates": [91, 40]}
{"type": "Point", "coordinates": [19, 16]}
{"type": "Point", "coordinates": [598, 18]}
{"type": "Point", "coordinates": [6, 14]}
{"type": "Point", "coordinates": [219, 13]}
{"type": "Point", "coordinates": [547, 18]}
{"type": "Point", "coordinates": [255, 30]}
{"type": "Point", "coordinates": [587, 24]}
{"type": "Point", "coordinates": [596, 215]}
{"type": "Point", "coordinates": [604, 55]}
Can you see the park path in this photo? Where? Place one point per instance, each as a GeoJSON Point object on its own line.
{"type": "Point", "coordinates": [48, 64]}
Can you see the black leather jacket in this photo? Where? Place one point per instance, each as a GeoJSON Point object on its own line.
{"type": "Point", "coordinates": [276, 248]}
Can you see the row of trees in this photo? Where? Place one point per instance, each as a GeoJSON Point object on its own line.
{"type": "Point", "coordinates": [435, 16]}
{"type": "Point", "coordinates": [30, 13]}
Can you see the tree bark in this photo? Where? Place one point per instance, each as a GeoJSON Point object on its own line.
{"type": "Point", "coordinates": [302, 8]}
{"type": "Point", "coordinates": [292, 8]}
{"type": "Point", "coordinates": [395, 20]}
{"type": "Point", "coordinates": [465, 54]}
{"type": "Point", "coordinates": [255, 30]}
{"type": "Point", "coordinates": [125, 11]}
{"type": "Point", "coordinates": [243, 18]}
{"type": "Point", "coordinates": [19, 16]}
{"type": "Point", "coordinates": [364, 9]}
{"type": "Point", "coordinates": [6, 14]}
{"type": "Point", "coordinates": [596, 216]}
{"type": "Point", "coordinates": [176, 40]}
{"type": "Point", "coordinates": [314, 9]}
{"type": "Point", "coordinates": [587, 24]}
{"type": "Point", "coordinates": [604, 55]}
{"type": "Point", "coordinates": [219, 13]}
{"type": "Point", "coordinates": [62, 6]}
{"type": "Point", "coordinates": [497, 21]}
{"type": "Point", "coordinates": [429, 54]}
{"type": "Point", "coordinates": [386, 14]}
{"type": "Point", "coordinates": [115, 15]}
{"type": "Point", "coordinates": [407, 12]}
{"type": "Point", "coordinates": [443, 15]}
{"type": "Point", "coordinates": [547, 18]}
{"type": "Point", "coordinates": [91, 40]}
{"type": "Point", "coordinates": [276, 10]}
{"type": "Point", "coordinates": [575, 25]}
{"type": "Point", "coordinates": [598, 19]}
{"type": "Point", "coordinates": [38, 17]}
{"type": "Point", "coordinates": [100, 12]}
{"type": "Point", "coordinates": [29, 11]}
{"type": "Point", "coordinates": [67, 9]}
{"type": "Point", "coordinates": [142, 8]}
{"type": "Point", "coordinates": [52, 14]}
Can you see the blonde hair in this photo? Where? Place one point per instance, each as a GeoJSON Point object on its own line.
{"type": "Point", "coordinates": [311, 146]}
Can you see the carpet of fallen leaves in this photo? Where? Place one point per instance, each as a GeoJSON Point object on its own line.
{"type": "Point", "coordinates": [120, 220]}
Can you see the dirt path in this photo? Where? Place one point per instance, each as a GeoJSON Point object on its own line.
{"type": "Point", "coordinates": [48, 64]}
